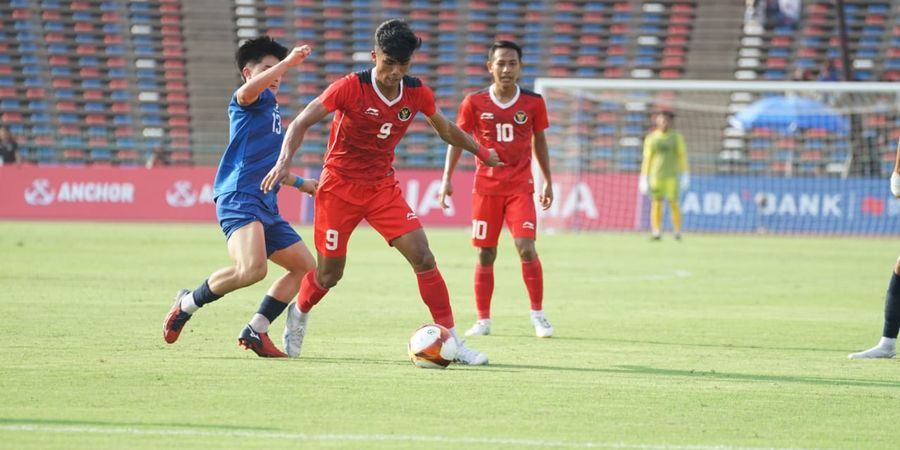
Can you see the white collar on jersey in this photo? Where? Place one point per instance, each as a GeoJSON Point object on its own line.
{"type": "Point", "coordinates": [382, 97]}
{"type": "Point", "coordinates": [497, 101]}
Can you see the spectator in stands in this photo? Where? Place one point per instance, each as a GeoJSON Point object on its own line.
{"type": "Point", "coordinates": [754, 16]}
{"type": "Point", "coordinates": [664, 172]}
{"type": "Point", "coordinates": [887, 346]}
{"type": "Point", "coordinates": [9, 148]}
{"type": "Point", "coordinates": [789, 12]}
{"type": "Point", "coordinates": [159, 157]}
{"type": "Point", "coordinates": [801, 74]}
{"type": "Point", "coordinates": [828, 72]}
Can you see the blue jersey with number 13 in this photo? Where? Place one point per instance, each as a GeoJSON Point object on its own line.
{"type": "Point", "coordinates": [255, 138]}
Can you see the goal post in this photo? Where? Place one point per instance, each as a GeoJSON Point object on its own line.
{"type": "Point", "coordinates": [779, 157]}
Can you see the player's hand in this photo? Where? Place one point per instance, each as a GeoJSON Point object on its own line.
{"type": "Point", "coordinates": [643, 185]}
{"type": "Point", "coordinates": [297, 55]}
{"type": "Point", "coordinates": [546, 197]}
{"type": "Point", "coordinates": [445, 193]}
{"type": "Point", "coordinates": [895, 184]}
{"type": "Point", "coordinates": [493, 159]}
{"type": "Point", "coordinates": [274, 177]}
{"type": "Point", "coordinates": [309, 186]}
{"type": "Point", "coordinates": [685, 181]}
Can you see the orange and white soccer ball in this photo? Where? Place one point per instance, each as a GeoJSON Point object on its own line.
{"type": "Point", "coordinates": [432, 347]}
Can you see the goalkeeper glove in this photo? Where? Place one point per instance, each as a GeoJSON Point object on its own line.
{"type": "Point", "coordinates": [895, 184]}
{"type": "Point", "coordinates": [685, 181]}
{"type": "Point", "coordinates": [643, 185]}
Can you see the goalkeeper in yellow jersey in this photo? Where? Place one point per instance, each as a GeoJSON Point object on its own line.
{"type": "Point", "coordinates": [664, 172]}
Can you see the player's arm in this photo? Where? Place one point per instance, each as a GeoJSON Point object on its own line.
{"type": "Point", "coordinates": [542, 156]}
{"type": "Point", "coordinates": [307, 185]}
{"type": "Point", "coordinates": [684, 180]}
{"type": "Point", "coordinates": [453, 154]}
{"type": "Point", "coordinates": [895, 175]}
{"type": "Point", "coordinates": [311, 115]}
{"type": "Point", "coordinates": [643, 180]}
{"type": "Point", "coordinates": [453, 135]}
{"type": "Point", "coordinates": [250, 91]}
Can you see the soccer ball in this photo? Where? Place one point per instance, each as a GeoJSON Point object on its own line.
{"type": "Point", "coordinates": [432, 347]}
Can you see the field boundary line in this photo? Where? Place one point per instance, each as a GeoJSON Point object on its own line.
{"type": "Point", "coordinates": [332, 437]}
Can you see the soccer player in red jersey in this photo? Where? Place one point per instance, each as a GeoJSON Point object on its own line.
{"type": "Point", "coordinates": [372, 109]}
{"type": "Point", "coordinates": [511, 120]}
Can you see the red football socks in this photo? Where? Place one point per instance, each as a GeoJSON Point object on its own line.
{"type": "Point", "coordinates": [310, 292]}
{"type": "Point", "coordinates": [534, 282]}
{"type": "Point", "coordinates": [435, 295]}
{"type": "Point", "coordinates": [484, 290]}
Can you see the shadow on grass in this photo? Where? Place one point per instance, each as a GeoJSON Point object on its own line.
{"type": "Point", "coordinates": [683, 344]}
{"type": "Point", "coordinates": [712, 375]}
{"type": "Point", "coordinates": [627, 370]}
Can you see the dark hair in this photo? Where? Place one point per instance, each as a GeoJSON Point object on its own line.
{"type": "Point", "coordinates": [504, 44]}
{"type": "Point", "coordinates": [397, 40]}
{"type": "Point", "coordinates": [668, 113]}
{"type": "Point", "coordinates": [254, 50]}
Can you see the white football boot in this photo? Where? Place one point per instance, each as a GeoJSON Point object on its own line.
{"type": "Point", "coordinates": [469, 356]}
{"type": "Point", "coordinates": [542, 327]}
{"type": "Point", "coordinates": [482, 327]}
{"type": "Point", "coordinates": [294, 330]}
{"type": "Point", "coordinates": [886, 348]}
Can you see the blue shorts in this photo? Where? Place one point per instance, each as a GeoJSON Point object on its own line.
{"type": "Point", "coordinates": [236, 209]}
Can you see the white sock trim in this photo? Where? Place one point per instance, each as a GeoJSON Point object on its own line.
{"type": "Point", "coordinates": [260, 323]}
{"type": "Point", "coordinates": [187, 303]}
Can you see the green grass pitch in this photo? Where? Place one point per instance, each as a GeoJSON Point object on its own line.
{"type": "Point", "coordinates": [714, 343]}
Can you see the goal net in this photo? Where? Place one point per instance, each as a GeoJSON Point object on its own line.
{"type": "Point", "coordinates": [764, 157]}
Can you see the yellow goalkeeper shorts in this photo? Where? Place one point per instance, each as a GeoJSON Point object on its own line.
{"type": "Point", "coordinates": [664, 187]}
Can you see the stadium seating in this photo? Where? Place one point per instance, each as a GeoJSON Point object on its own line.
{"type": "Point", "coordinates": [87, 81]}
{"type": "Point", "coordinates": [607, 38]}
{"type": "Point", "coordinates": [776, 50]}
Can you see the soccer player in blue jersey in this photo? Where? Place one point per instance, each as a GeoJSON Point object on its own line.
{"type": "Point", "coordinates": [253, 228]}
{"type": "Point", "coordinates": [887, 346]}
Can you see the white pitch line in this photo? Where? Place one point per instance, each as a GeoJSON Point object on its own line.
{"type": "Point", "coordinates": [296, 436]}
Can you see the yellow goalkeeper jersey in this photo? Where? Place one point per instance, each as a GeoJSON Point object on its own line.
{"type": "Point", "coordinates": [664, 155]}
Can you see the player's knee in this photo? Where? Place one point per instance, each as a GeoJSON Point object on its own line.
{"type": "Point", "coordinates": [526, 250]}
{"type": "Point", "coordinates": [487, 256]}
{"type": "Point", "coordinates": [527, 254]}
{"type": "Point", "coordinates": [252, 273]}
{"type": "Point", "coordinates": [329, 278]}
{"type": "Point", "coordinates": [422, 261]}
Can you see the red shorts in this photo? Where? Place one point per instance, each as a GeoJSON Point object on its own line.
{"type": "Point", "coordinates": [488, 212]}
{"type": "Point", "coordinates": [341, 205]}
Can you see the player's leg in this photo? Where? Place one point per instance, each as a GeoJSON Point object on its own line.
{"type": "Point", "coordinates": [521, 218]}
{"type": "Point", "coordinates": [672, 195]}
{"type": "Point", "coordinates": [334, 222]}
{"type": "Point", "coordinates": [887, 346]}
{"type": "Point", "coordinates": [392, 217]}
{"type": "Point", "coordinates": [284, 247]}
{"type": "Point", "coordinates": [655, 217]}
{"type": "Point", "coordinates": [487, 222]}
{"type": "Point", "coordinates": [246, 247]}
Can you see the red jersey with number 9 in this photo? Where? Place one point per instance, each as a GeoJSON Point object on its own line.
{"type": "Point", "coordinates": [367, 126]}
{"type": "Point", "coordinates": [509, 129]}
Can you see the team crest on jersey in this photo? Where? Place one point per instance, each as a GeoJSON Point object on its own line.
{"type": "Point", "coordinates": [520, 117]}
{"type": "Point", "coordinates": [487, 116]}
{"type": "Point", "coordinates": [404, 114]}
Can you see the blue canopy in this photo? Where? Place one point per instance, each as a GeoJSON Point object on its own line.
{"type": "Point", "coordinates": [788, 114]}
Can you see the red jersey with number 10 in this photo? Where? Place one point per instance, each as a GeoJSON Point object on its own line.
{"type": "Point", "coordinates": [509, 129]}
{"type": "Point", "coordinates": [367, 126]}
